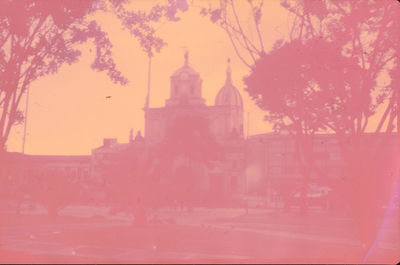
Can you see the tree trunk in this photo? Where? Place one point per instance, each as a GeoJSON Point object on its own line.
{"type": "Point", "coordinates": [303, 194]}
{"type": "Point", "coordinates": [18, 206]}
{"type": "Point", "coordinates": [140, 218]}
{"type": "Point", "coordinates": [140, 214]}
{"type": "Point", "coordinates": [52, 210]}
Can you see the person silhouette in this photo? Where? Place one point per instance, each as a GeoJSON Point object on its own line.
{"type": "Point", "coordinates": [140, 213]}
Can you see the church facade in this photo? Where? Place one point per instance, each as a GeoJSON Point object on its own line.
{"type": "Point", "coordinates": [225, 178]}
{"type": "Point", "coordinates": [225, 116]}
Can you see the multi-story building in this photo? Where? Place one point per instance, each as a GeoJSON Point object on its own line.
{"type": "Point", "coordinates": [17, 169]}
{"type": "Point", "coordinates": [266, 165]}
{"type": "Point", "coordinates": [274, 171]}
{"type": "Point", "coordinates": [223, 120]}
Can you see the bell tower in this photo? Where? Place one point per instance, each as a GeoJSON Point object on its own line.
{"type": "Point", "coordinates": [185, 86]}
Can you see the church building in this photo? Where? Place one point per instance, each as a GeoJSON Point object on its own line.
{"type": "Point", "coordinates": [263, 166]}
{"type": "Point", "coordinates": [224, 178]}
{"type": "Point", "coordinates": [225, 116]}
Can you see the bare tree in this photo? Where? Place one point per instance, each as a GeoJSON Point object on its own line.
{"type": "Point", "coordinates": [226, 15]}
{"type": "Point", "coordinates": [328, 78]}
{"type": "Point", "coordinates": [38, 36]}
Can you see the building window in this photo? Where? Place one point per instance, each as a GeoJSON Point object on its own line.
{"type": "Point", "coordinates": [290, 170]}
{"type": "Point", "coordinates": [291, 146]}
{"type": "Point", "coordinates": [277, 159]}
{"type": "Point", "coordinates": [234, 164]}
{"type": "Point", "coordinates": [319, 146]}
{"type": "Point", "coordinates": [175, 89]}
{"type": "Point", "coordinates": [234, 183]}
{"type": "Point", "coordinates": [276, 171]}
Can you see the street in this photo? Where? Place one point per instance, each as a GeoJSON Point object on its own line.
{"type": "Point", "coordinates": [90, 234]}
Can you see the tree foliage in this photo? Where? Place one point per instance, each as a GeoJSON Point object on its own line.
{"type": "Point", "coordinates": [337, 71]}
{"type": "Point", "coordinates": [37, 37]}
{"type": "Point", "coordinates": [181, 159]}
{"type": "Point", "coordinates": [139, 23]}
{"type": "Point", "coordinates": [167, 172]}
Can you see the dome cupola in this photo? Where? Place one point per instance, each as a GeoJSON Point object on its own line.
{"type": "Point", "coordinates": [185, 70]}
{"type": "Point", "coordinates": [229, 95]}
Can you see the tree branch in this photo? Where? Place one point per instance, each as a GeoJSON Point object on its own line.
{"type": "Point", "coordinates": [254, 48]}
{"type": "Point", "coordinates": [241, 31]}
{"type": "Point", "coordinates": [257, 27]}
{"type": "Point", "coordinates": [384, 116]}
{"type": "Point", "coordinates": [236, 50]}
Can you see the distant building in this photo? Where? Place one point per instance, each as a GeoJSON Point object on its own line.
{"type": "Point", "coordinates": [18, 166]}
{"type": "Point", "coordinates": [273, 167]}
{"type": "Point", "coordinates": [225, 116]}
{"type": "Point", "coordinates": [224, 179]}
{"type": "Point", "coordinates": [19, 169]}
{"type": "Point", "coordinates": [264, 165]}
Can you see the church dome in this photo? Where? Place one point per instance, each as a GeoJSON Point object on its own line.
{"type": "Point", "coordinates": [185, 71]}
{"type": "Point", "coordinates": [229, 95]}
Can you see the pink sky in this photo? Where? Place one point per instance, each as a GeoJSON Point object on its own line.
{"type": "Point", "coordinates": [69, 112]}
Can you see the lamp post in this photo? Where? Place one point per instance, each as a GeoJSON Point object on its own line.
{"type": "Point", "coordinates": [146, 106]}
{"type": "Point", "coordinates": [19, 191]}
{"type": "Point", "coordinates": [25, 120]}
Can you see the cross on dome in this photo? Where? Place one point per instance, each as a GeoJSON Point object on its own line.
{"type": "Point", "coordinates": [229, 95]}
{"type": "Point", "coordinates": [228, 72]}
{"type": "Point", "coordinates": [186, 58]}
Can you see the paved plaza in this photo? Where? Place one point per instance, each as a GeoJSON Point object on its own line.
{"type": "Point", "coordinates": [93, 234]}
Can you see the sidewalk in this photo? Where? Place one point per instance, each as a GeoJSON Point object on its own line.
{"type": "Point", "coordinates": [231, 234]}
{"type": "Point", "coordinates": [179, 243]}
